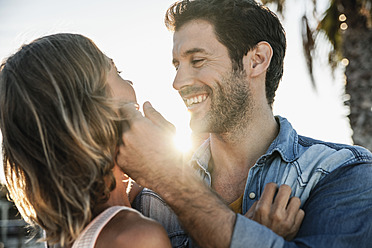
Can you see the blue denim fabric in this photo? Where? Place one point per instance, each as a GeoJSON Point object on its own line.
{"type": "Point", "coordinates": [151, 205]}
{"type": "Point", "coordinates": [333, 181]}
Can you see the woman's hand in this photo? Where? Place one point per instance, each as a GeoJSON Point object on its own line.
{"type": "Point", "coordinates": [279, 212]}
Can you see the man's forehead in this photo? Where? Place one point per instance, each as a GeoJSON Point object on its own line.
{"type": "Point", "coordinates": [194, 28]}
{"type": "Point", "coordinates": [194, 36]}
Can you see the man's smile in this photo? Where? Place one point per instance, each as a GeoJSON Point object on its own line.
{"type": "Point", "coordinates": [193, 100]}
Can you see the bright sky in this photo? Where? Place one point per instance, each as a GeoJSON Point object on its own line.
{"type": "Point", "coordinates": [134, 35]}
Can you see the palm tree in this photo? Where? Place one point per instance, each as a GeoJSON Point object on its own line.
{"type": "Point", "coordinates": [347, 24]}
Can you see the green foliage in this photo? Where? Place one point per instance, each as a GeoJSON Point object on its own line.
{"type": "Point", "coordinates": [279, 4]}
{"type": "Point", "coordinates": [330, 25]}
{"type": "Point", "coordinates": [359, 11]}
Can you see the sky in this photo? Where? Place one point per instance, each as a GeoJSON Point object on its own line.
{"type": "Point", "coordinates": [134, 35]}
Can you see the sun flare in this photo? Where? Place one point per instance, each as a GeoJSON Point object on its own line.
{"type": "Point", "coordinates": [182, 141]}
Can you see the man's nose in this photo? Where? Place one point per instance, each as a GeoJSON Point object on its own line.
{"type": "Point", "coordinates": [184, 77]}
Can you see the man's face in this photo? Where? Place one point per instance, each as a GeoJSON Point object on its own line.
{"type": "Point", "coordinates": [216, 97]}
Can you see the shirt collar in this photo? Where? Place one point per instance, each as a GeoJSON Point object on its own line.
{"type": "Point", "coordinates": [200, 161]}
{"type": "Point", "coordinates": [286, 144]}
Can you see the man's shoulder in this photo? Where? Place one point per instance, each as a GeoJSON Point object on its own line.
{"type": "Point", "coordinates": [315, 160]}
{"type": "Point", "coordinates": [323, 152]}
{"type": "Point", "coordinates": [295, 147]}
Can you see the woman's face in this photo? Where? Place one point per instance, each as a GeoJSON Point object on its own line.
{"type": "Point", "coordinates": [121, 89]}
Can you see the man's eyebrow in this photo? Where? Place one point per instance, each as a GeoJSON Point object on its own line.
{"type": "Point", "coordinates": [193, 50]}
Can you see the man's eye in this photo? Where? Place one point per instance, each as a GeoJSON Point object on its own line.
{"type": "Point", "coordinates": [197, 62]}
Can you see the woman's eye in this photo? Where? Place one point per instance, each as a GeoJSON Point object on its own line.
{"type": "Point", "coordinates": [176, 66]}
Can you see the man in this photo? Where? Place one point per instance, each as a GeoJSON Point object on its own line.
{"type": "Point", "coordinates": [229, 60]}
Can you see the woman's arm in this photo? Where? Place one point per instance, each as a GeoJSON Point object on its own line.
{"type": "Point", "coordinates": [279, 212]}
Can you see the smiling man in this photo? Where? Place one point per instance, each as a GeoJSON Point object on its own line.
{"type": "Point", "coordinates": [229, 60]}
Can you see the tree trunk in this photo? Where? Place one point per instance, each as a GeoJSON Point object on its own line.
{"type": "Point", "coordinates": [358, 50]}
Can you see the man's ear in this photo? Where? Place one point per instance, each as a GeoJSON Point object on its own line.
{"type": "Point", "coordinates": [259, 59]}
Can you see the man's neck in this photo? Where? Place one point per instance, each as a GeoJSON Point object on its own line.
{"type": "Point", "coordinates": [234, 153]}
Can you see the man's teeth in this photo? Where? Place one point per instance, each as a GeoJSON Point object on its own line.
{"type": "Point", "coordinates": [196, 99]}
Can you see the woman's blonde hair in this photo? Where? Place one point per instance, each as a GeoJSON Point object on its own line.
{"type": "Point", "coordinates": [59, 133]}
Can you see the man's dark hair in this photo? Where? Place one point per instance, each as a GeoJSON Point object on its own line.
{"type": "Point", "coordinates": [239, 25]}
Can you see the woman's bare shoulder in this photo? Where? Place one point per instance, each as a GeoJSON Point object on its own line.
{"type": "Point", "coordinates": [131, 229]}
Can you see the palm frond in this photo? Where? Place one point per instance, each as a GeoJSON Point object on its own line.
{"type": "Point", "coordinates": [330, 25]}
{"type": "Point", "coordinates": [279, 5]}
{"type": "Point", "coordinates": [308, 43]}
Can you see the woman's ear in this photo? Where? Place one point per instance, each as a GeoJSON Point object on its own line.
{"type": "Point", "coordinates": [258, 59]}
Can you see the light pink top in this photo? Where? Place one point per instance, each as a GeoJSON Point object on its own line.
{"type": "Point", "coordinates": [88, 237]}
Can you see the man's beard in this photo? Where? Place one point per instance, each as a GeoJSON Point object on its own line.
{"type": "Point", "coordinates": [231, 105]}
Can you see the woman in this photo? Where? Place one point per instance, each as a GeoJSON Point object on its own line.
{"type": "Point", "coordinates": [60, 98]}
{"type": "Point", "coordinates": [59, 108]}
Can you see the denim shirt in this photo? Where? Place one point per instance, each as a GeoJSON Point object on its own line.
{"type": "Point", "coordinates": [333, 181]}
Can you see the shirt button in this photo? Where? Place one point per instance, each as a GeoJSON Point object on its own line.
{"type": "Point", "coordinates": [252, 195]}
